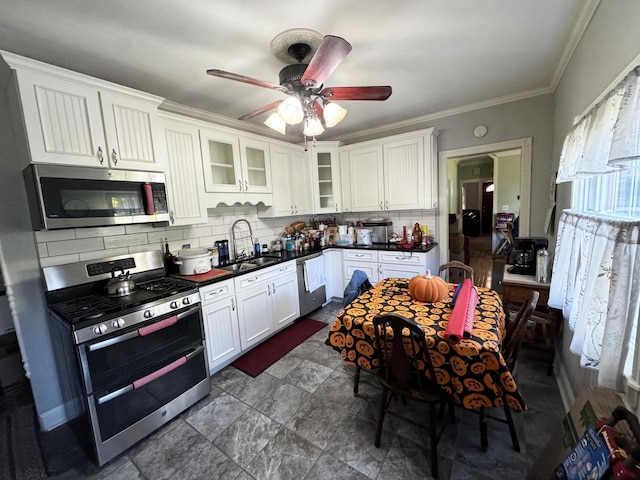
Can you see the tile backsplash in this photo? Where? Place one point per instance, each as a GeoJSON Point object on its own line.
{"type": "Point", "coordinates": [56, 247]}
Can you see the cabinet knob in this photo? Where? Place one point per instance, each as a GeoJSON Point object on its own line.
{"type": "Point", "coordinates": [99, 155]}
{"type": "Point", "coordinates": [114, 157]}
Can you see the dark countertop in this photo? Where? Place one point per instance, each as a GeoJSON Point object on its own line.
{"type": "Point", "coordinates": [285, 256]}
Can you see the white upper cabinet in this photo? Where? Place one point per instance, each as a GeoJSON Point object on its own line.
{"type": "Point", "coordinates": [185, 183]}
{"type": "Point", "coordinates": [234, 164]}
{"type": "Point", "coordinates": [325, 167]}
{"type": "Point", "coordinates": [291, 174]}
{"type": "Point", "coordinates": [393, 173]}
{"type": "Point", "coordinates": [75, 121]}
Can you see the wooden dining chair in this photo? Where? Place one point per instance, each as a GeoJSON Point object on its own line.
{"type": "Point", "coordinates": [401, 374]}
{"type": "Point", "coordinates": [456, 271]}
{"type": "Point", "coordinates": [510, 349]}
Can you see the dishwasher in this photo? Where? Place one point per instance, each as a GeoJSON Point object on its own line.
{"type": "Point", "coordinates": [309, 301]}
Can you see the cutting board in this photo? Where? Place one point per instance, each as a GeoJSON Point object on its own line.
{"type": "Point", "coordinates": [204, 277]}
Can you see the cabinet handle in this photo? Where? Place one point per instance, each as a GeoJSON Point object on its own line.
{"type": "Point", "coordinates": [233, 304]}
{"type": "Point", "coordinates": [114, 156]}
{"type": "Point", "coordinates": [379, 269]}
{"type": "Point", "coordinates": [386, 205]}
{"type": "Point", "coordinates": [336, 207]}
{"type": "Point", "coordinates": [246, 185]}
{"type": "Point", "coordinates": [381, 207]}
{"type": "Point", "coordinates": [269, 289]}
{"type": "Point", "coordinates": [274, 288]}
{"type": "Point", "coordinates": [359, 255]}
{"type": "Point", "coordinates": [171, 217]}
{"type": "Point", "coordinates": [100, 157]}
{"type": "Point", "coordinates": [240, 185]}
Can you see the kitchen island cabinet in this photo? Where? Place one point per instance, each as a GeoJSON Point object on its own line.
{"type": "Point", "coordinates": [73, 119]}
{"type": "Point", "coordinates": [392, 173]}
{"type": "Point", "coordinates": [184, 171]}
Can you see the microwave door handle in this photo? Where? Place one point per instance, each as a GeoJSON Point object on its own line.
{"type": "Point", "coordinates": [152, 376]}
{"type": "Point", "coordinates": [147, 198]}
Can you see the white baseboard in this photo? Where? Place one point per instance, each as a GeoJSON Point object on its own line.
{"type": "Point", "coordinates": [59, 415]}
{"type": "Point", "coordinates": [566, 393]}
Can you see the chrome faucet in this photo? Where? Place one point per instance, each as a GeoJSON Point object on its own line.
{"type": "Point", "coordinates": [235, 238]}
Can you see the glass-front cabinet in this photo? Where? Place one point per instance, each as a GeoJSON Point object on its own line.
{"type": "Point", "coordinates": [234, 164]}
{"type": "Point", "coordinates": [326, 178]}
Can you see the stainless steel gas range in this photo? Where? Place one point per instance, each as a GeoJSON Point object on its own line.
{"type": "Point", "coordinates": [141, 354]}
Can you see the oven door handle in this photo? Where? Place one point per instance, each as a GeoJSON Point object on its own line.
{"type": "Point", "coordinates": [152, 376]}
{"type": "Point", "coordinates": [141, 332]}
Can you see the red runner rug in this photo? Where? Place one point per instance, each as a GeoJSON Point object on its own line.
{"type": "Point", "coordinates": [270, 351]}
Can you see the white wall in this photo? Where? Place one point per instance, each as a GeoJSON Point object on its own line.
{"type": "Point", "coordinates": [610, 43]}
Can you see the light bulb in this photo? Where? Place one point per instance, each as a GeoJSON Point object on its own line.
{"type": "Point", "coordinates": [291, 111]}
{"type": "Point", "coordinates": [313, 127]}
{"type": "Point", "coordinates": [333, 114]}
{"type": "Point", "coordinates": [276, 122]}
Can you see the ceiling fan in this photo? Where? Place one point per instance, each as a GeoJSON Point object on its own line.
{"type": "Point", "coordinates": [309, 102]}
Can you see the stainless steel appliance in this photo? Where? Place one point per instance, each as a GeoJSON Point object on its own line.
{"type": "Point", "coordinates": [309, 301]}
{"type": "Point", "coordinates": [141, 356]}
{"type": "Point", "coordinates": [381, 229]}
{"type": "Point", "coordinates": [67, 197]}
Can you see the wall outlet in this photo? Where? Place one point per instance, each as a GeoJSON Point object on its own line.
{"type": "Point", "coordinates": [505, 208]}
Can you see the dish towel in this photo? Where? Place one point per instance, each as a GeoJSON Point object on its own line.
{"type": "Point", "coordinates": [460, 323]}
{"type": "Point", "coordinates": [313, 273]}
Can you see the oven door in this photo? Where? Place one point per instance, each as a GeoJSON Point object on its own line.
{"type": "Point", "coordinates": [130, 376]}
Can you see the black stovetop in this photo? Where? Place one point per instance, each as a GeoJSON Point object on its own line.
{"type": "Point", "coordinates": [83, 306]}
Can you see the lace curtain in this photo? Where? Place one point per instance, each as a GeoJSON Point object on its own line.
{"type": "Point", "coordinates": [596, 283]}
{"type": "Point", "coordinates": [608, 137]}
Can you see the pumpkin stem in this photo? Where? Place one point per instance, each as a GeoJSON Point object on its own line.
{"type": "Point", "coordinates": [428, 274]}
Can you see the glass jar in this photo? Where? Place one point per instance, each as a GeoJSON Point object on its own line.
{"type": "Point", "coordinates": [542, 266]}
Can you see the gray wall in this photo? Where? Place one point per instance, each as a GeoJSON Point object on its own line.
{"type": "Point", "coordinates": [610, 43]}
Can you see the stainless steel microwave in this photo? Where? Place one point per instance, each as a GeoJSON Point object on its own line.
{"type": "Point", "coordinates": [69, 197]}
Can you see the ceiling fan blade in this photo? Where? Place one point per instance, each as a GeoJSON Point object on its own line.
{"type": "Point", "coordinates": [328, 56]}
{"type": "Point", "coordinates": [260, 111]}
{"type": "Point", "coordinates": [241, 78]}
{"type": "Point", "coordinates": [356, 93]}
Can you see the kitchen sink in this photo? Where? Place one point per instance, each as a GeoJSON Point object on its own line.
{"type": "Point", "coordinates": [262, 261]}
{"type": "Point", "coordinates": [238, 267]}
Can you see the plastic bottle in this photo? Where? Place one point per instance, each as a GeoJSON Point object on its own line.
{"type": "Point", "coordinates": [256, 248]}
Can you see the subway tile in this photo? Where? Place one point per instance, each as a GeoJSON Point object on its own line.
{"type": "Point", "coordinates": [55, 235]}
{"type": "Point", "coordinates": [139, 228]}
{"type": "Point", "coordinates": [144, 248]}
{"type": "Point", "coordinates": [199, 231]}
{"type": "Point", "coordinates": [76, 246]}
{"type": "Point", "coordinates": [100, 231]}
{"type": "Point", "coordinates": [126, 240]}
{"type": "Point", "coordinates": [159, 235]}
{"type": "Point", "coordinates": [58, 260]}
{"type": "Point", "coordinates": [103, 253]}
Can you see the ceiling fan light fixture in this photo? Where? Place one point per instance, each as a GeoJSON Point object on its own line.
{"type": "Point", "coordinates": [291, 111]}
{"type": "Point", "coordinates": [277, 123]}
{"type": "Point", "coordinates": [333, 114]}
{"type": "Point", "coordinates": [313, 127]}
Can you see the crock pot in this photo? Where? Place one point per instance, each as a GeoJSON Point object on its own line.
{"type": "Point", "coordinates": [193, 261]}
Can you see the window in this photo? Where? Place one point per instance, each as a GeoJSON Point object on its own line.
{"type": "Point", "coordinates": [616, 194]}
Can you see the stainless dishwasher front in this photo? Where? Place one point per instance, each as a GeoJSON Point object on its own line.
{"type": "Point", "coordinates": [309, 301]}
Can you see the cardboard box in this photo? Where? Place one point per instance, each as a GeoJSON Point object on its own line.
{"type": "Point", "coordinates": [591, 405]}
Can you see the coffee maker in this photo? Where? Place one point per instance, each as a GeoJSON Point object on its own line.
{"type": "Point", "coordinates": [523, 257]}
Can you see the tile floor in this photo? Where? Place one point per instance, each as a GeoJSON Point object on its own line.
{"type": "Point", "coordinates": [300, 420]}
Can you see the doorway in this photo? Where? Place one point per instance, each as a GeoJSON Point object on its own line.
{"type": "Point", "coordinates": [497, 189]}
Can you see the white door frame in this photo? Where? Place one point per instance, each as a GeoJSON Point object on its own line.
{"type": "Point", "coordinates": [524, 144]}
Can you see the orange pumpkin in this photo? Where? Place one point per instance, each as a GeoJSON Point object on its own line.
{"type": "Point", "coordinates": [427, 288]}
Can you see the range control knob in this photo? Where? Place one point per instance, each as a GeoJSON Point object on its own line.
{"type": "Point", "coordinates": [148, 314]}
{"type": "Point", "coordinates": [174, 305]}
{"type": "Point", "coordinates": [186, 301]}
{"type": "Point", "coordinates": [119, 323]}
{"type": "Point", "coordinates": [100, 329]}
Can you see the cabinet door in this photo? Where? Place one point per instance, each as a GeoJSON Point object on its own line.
{"type": "Point", "coordinates": [254, 314]}
{"type": "Point", "coordinates": [431, 171]}
{"type": "Point", "coordinates": [326, 185]}
{"type": "Point", "coordinates": [398, 270]}
{"type": "Point", "coordinates": [62, 120]}
{"type": "Point", "coordinates": [349, 266]}
{"type": "Point", "coordinates": [133, 133]}
{"type": "Point", "coordinates": [221, 332]}
{"type": "Point", "coordinates": [333, 273]}
{"type": "Point", "coordinates": [345, 181]}
{"type": "Point", "coordinates": [404, 174]}
{"type": "Point", "coordinates": [281, 181]}
{"type": "Point", "coordinates": [221, 162]}
{"type": "Point", "coordinates": [284, 296]}
{"type": "Point", "coordinates": [366, 179]}
{"type": "Point", "coordinates": [256, 172]}
{"type": "Point", "coordinates": [300, 178]}
{"type": "Point", "coordinates": [185, 183]}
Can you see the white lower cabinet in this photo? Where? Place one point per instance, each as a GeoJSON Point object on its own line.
{"type": "Point", "coordinates": [401, 264]}
{"type": "Point", "coordinates": [365, 260]}
{"type": "Point", "coordinates": [267, 301]}
{"type": "Point", "coordinates": [220, 323]}
{"type": "Point", "coordinates": [333, 273]}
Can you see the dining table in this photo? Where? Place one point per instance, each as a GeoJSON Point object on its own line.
{"type": "Point", "coordinates": [471, 370]}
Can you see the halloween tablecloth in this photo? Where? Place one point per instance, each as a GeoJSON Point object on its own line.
{"type": "Point", "coordinates": [472, 371]}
